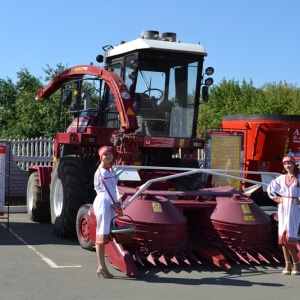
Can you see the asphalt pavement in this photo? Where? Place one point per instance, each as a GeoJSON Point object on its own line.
{"type": "Point", "coordinates": [36, 264]}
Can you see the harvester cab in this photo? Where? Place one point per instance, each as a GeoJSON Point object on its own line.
{"type": "Point", "coordinates": [164, 79]}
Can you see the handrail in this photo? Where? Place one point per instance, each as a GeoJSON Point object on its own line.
{"type": "Point", "coordinates": [189, 171]}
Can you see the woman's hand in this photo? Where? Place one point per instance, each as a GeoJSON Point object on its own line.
{"type": "Point", "coordinates": [296, 201]}
{"type": "Point", "coordinates": [277, 199]}
{"type": "Point", "coordinates": [117, 207]}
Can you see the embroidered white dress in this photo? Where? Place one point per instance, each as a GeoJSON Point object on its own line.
{"type": "Point", "coordinates": [103, 204]}
{"type": "Point", "coordinates": [288, 212]}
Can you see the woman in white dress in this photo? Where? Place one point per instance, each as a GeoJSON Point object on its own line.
{"type": "Point", "coordinates": [285, 191]}
{"type": "Point", "coordinates": [106, 206]}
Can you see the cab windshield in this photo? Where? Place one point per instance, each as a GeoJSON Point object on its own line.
{"type": "Point", "coordinates": [163, 88]}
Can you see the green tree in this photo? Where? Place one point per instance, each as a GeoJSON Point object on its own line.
{"type": "Point", "coordinates": [50, 73]}
{"type": "Point", "coordinates": [279, 99]}
{"type": "Point", "coordinates": [22, 116]}
{"type": "Point", "coordinates": [8, 94]}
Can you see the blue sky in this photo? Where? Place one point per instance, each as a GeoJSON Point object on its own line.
{"type": "Point", "coordinates": [249, 39]}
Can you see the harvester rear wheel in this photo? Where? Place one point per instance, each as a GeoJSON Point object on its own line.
{"type": "Point", "coordinates": [68, 191]}
{"type": "Point", "coordinates": [38, 210]}
{"type": "Point", "coordinates": [82, 228]}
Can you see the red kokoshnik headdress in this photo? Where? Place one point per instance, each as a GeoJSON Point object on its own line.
{"type": "Point", "coordinates": [290, 159]}
{"type": "Point", "coordinates": [104, 149]}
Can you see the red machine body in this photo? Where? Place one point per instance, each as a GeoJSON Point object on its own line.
{"type": "Point", "coordinates": [144, 103]}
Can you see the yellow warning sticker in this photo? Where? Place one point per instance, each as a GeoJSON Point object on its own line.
{"type": "Point", "coordinates": [130, 112]}
{"type": "Point", "coordinates": [249, 218]}
{"type": "Point", "coordinates": [156, 207]}
{"type": "Point", "coordinates": [246, 209]}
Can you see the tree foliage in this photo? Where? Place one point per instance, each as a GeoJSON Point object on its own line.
{"type": "Point", "coordinates": [50, 73]}
{"type": "Point", "coordinates": [8, 95]}
{"type": "Point", "coordinates": [21, 115]}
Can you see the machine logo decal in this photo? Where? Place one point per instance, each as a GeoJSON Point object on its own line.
{"type": "Point", "coordinates": [125, 95]}
{"type": "Point", "coordinates": [77, 69]}
{"type": "Point", "coordinates": [296, 136]}
{"type": "Point", "coordinates": [158, 142]}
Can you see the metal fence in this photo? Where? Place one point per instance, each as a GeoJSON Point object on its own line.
{"type": "Point", "coordinates": [20, 154]}
{"type": "Point", "coordinates": [32, 152]}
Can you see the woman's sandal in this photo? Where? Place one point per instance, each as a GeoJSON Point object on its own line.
{"type": "Point", "coordinates": [287, 271]}
{"type": "Point", "coordinates": [104, 274]}
{"type": "Point", "coordinates": [296, 272]}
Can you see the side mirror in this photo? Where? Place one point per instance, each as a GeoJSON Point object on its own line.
{"type": "Point", "coordinates": [205, 94]}
{"type": "Point", "coordinates": [66, 97]}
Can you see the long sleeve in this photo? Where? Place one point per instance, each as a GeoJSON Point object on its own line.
{"type": "Point", "coordinates": [274, 187]}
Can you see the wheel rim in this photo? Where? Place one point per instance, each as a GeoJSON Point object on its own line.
{"type": "Point", "coordinates": [84, 229]}
{"type": "Point", "coordinates": [30, 199]}
{"type": "Point", "coordinates": [58, 198]}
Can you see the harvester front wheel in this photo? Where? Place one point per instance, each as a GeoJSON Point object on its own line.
{"type": "Point", "coordinates": [67, 193]}
{"type": "Point", "coordinates": [38, 210]}
{"type": "Point", "coordinates": [82, 228]}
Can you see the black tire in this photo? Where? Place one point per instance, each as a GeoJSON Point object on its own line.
{"type": "Point", "coordinates": [82, 228]}
{"type": "Point", "coordinates": [38, 210]}
{"type": "Point", "coordinates": [70, 188]}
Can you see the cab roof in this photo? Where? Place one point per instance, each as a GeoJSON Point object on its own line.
{"type": "Point", "coordinates": [140, 44]}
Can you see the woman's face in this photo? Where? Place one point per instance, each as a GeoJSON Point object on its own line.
{"type": "Point", "coordinates": [107, 157]}
{"type": "Point", "coordinates": [289, 166]}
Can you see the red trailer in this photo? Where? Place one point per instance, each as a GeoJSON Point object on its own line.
{"type": "Point", "coordinates": [266, 139]}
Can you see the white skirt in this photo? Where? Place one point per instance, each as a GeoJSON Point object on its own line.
{"type": "Point", "coordinates": [104, 214]}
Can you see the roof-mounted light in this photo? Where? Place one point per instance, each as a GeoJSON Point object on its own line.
{"type": "Point", "coordinates": [99, 58]}
{"type": "Point", "coordinates": [168, 36]}
{"type": "Point", "coordinates": [208, 81]}
{"type": "Point", "coordinates": [209, 71]}
{"type": "Point", "coordinates": [150, 35]}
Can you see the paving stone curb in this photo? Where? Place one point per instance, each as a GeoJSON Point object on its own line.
{"type": "Point", "coordinates": [16, 209]}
